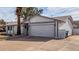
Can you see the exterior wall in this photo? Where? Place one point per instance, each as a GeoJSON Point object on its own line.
{"type": "Point", "coordinates": [61, 34]}
{"type": "Point", "coordinates": [67, 26]}
{"type": "Point", "coordinates": [76, 31]}
{"type": "Point", "coordinates": [22, 29]}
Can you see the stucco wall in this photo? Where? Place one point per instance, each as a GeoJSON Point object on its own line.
{"type": "Point", "coordinates": [61, 34]}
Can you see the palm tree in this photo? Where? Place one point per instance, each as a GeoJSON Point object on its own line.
{"type": "Point", "coordinates": [18, 13]}
{"type": "Point", "coordinates": [28, 13]}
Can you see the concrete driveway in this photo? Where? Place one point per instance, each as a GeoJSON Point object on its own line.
{"type": "Point", "coordinates": [69, 44]}
{"type": "Point", "coordinates": [40, 44]}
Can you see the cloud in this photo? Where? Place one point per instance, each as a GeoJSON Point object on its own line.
{"type": "Point", "coordinates": [61, 11]}
{"type": "Point", "coordinates": [7, 13]}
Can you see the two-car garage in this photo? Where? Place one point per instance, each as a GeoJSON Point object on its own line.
{"type": "Point", "coordinates": [44, 29]}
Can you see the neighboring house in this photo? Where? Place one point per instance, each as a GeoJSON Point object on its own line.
{"type": "Point", "coordinates": [11, 28]}
{"type": "Point", "coordinates": [75, 27]}
{"type": "Point", "coordinates": [44, 26]}
{"type": "Point", "coordinates": [75, 24]}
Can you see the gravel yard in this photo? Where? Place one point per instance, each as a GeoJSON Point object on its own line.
{"type": "Point", "coordinates": [40, 44]}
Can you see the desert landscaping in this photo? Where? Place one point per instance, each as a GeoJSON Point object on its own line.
{"type": "Point", "coordinates": [39, 44]}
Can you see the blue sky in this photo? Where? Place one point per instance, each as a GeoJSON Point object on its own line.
{"type": "Point", "coordinates": [8, 13]}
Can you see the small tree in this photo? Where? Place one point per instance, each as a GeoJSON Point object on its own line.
{"type": "Point", "coordinates": [29, 12]}
{"type": "Point", "coordinates": [2, 23]}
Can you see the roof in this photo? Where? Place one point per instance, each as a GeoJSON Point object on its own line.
{"type": "Point", "coordinates": [52, 19]}
{"type": "Point", "coordinates": [76, 24]}
{"type": "Point", "coordinates": [11, 23]}
{"type": "Point", "coordinates": [64, 18]}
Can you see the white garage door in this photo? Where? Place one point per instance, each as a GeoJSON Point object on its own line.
{"type": "Point", "coordinates": [42, 29]}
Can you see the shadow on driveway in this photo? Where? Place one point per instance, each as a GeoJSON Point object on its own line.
{"type": "Point", "coordinates": [31, 38]}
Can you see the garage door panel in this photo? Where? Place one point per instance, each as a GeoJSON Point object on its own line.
{"type": "Point", "coordinates": [46, 30]}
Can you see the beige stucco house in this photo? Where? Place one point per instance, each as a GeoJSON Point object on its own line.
{"type": "Point", "coordinates": [56, 27]}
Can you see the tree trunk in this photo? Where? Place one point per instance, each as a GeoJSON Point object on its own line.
{"type": "Point", "coordinates": [18, 13]}
{"type": "Point", "coordinates": [18, 26]}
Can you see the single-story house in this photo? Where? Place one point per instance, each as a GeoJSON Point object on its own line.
{"type": "Point", "coordinates": [56, 27]}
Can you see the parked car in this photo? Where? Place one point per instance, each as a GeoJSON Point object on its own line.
{"type": "Point", "coordinates": [2, 30]}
